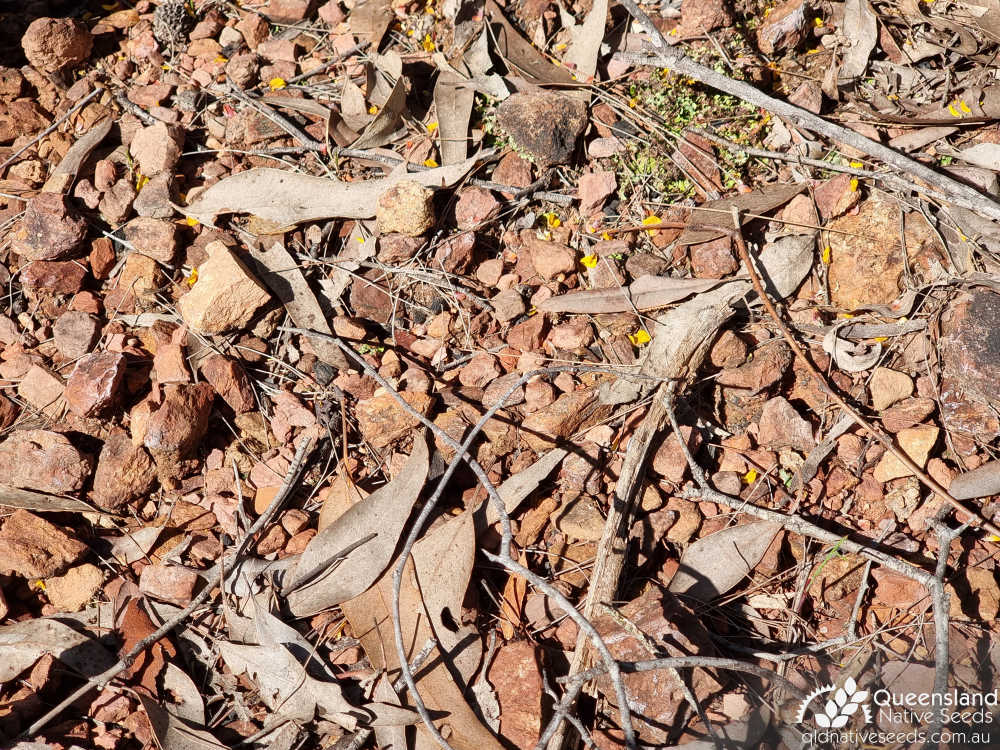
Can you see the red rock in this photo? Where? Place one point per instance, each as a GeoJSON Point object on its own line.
{"type": "Point", "coordinates": [570, 413]}
{"type": "Point", "coordinates": [105, 174]}
{"type": "Point", "coordinates": [124, 472]}
{"type": "Point", "coordinates": [288, 413]}
{"type": "Point", "coordinates": [479, 372]}
{"type": "Point", "coordinates": [11, 83]}
{"type": "Point", "coordinates": [278, 50]}
{"type": "Point", "coordinates": [170, 364]}
{"type": "Point", "coordinates": [116, 203]}
{"type": "Point", "coordinates": [242, 70]}
{"type": "Point", "coordinates": [593, 189]}
{"type": "Point", "coordinates": [713, 259]}
{"type": "Point", "coordinates": [512, 170]}
{"type": "Point", "coordinates": [382, 420]}
{"type": "Point", "coordinates": [71, 591]}
{"type": "Point", "coordinates": [8, 412]}
{"type": "Point", "coordinates": [907, 413]}
{"type": "Point", "coordinates": [729, 350]}
{"type": "Point", "coordinates": [332, 13]}
{"type": "Point", "coordinates": [528, 335]}
{"type": "Point", "coordinates": [289, 11]}
{"type": "Point", "coordinates": [550, 259]}
{"type": "Point", "coordinates": [230, 382]}
{"type": "Point", "coordinates": [784, 28]}
{"type": "Point", "coordinates": [254, 29]}
{"type": "Point", "coordinates": [769, 365]}
{"type": "Point", "coordinates": [809, 96]}
{"type": "Point", "coordinates": [835, 196]}
{"type": "Point", "coordinates": [44, 461]}
{"type": "Point", "coordinates": [31, 547]}
{"type": "Point", "coordinates": [102, 257]}
{"type": "Point", "coordinates": [537, 395]}
{"type": "Point", "coordinates": [43, 390]}
{"type": "Point", "coordinates": [368, 296]}
{"type": "Point", "coordinates": [455, 254]}
{"type": "Point", "coordinates": [50, 229]}
{"type": "Point", "coordinates": [475, 207]}
{"type": "Point", "coordinates": [895, 590]}
{"type": "Point", "coordinates": [169, 583]}
{"type": "Point", "coordinates": [87, 302]}
{"type": "Point", "coordinates": [781, 426]}
{"type": "Point", "coordinates": [698, 17]}
{"type": "Point", "coordinates": [517, 680]}
{"type": "Point", "coordinates": [54, 276]}
{"type": "Point", "coordinates": [177, 426]}
{"type": "Point", "coordinates": [508, 305]}
{"type": "Point", "coordinates": [157, 148]}
{"type": "Point", "coordinates": [153, 237]}
{"type": "Point", "coordinates": [656, 702]}
{"type": "Point", "coordinates": [153, 201]}
{"type": "Point", "coordinates": [74, 333]}
{"type": "Point", "coordinates": [669, 460]}
{"type": "Point", "coordinates": [95, 383]}
{"type": "Point", "coordinates": [149, 96]}
{"type": "Point", "coordinates": [9, 332]}
{"type": "Point", "coordinates": [51, 44]}
{"type": "Point", "coordinates": [21, 118]}
{"type": "Point", "coordinates": [397, 248]}
{"type": "Point", "coordinates": [546, 125]}
{"type": "Point", "coordinates": [139, 277]}
{"type": "Point", "coordinates": [572, 335]}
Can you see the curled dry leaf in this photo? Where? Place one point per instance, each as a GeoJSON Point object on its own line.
{"type": "Point", "coordinates": [12, 497]}
{"type": "Point", "coordinates": [288, 198]}
{"type": "Point", "coordinates": [716, 563]}
{"type": "Point", "coordinates": [24, 643]}
{"type": "Point", "coordinates": [645, 293]}
{"type": "Point", "coordinates": [173, 732]}
{"type": "Point", "coordinates": [314, 586]}
{"type": "Point", "coordinates": [848, 355]}
{"type": "Point", "coordinates": [390, 99]}
{"type": "Point", "coordinates": [980, 482]}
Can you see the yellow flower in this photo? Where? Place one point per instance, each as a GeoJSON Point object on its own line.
{"type": "Point", "coordinates": [430, 163]}
{"type": "Point", "coordinates": [818, 21]}
{"type": "Point", "coordinates": [605, 236]}
{"type": "Point", "coordinates": [651, 221]}
{"type": "Point", "coordinates": [276, 83]}
{"type": "Point", "coordinates": [431, 127]}
{"type": "Point", "coordinates": [854, 184]}
{"type": "Point", "coordinates": [589, 261]}
{"type": "Point", "coordinates": [191, 221]}
{"type": "Point", "coordinates": [633, 102]}
{"type": "Point", "coordinates": [373, 110]}
{"type": "Point", "coordinates": [140, 181]}
{"type": "Point", "coordinates": [560, 47]}
{"type": "Point", "coordinates": [552, 220]}
{"type": "Point", "coordinates": [857, 164]}
{"type": "Point", "coordinates": [826, 255]}
{"type": "Point", "coordinates": [750, 477]}
{"type": "Point", "coordinates": [192, 277]}
{"type": "Point", "coordinates": [221, 59]}
{"type": "Point", "coordinates": [640, 337]}
{"type": "Point", "coordinates": [428, 44]}
{"type": "Point", "coordinates": [964, 107]}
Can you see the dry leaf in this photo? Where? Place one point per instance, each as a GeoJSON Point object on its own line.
{"type": "Point", "coordinates": [850, 356]}
{"type": "Point", "coordinates": [315, 585]}
{"type": "Point", "coordinates": [980, 482]}
{"type": "Point", "coordinates": [173, 732]}
{"type": "Point", "coordinates": [716, 563]}
{"type": "Point", "coordinates": [645, 293]}
{"type": "Point", "coordinates": [718, 213]}
{"type": "Point", "coordinates": [861, 28]}
{"type": "Point", "coordinates": [288, 198]}
{"type": "Point", "coordinates": [520, 54]}
{"type": "Point", "coordinates": [24, 643]}
{"type": "Point", "coordinates": [391, 101]}
{"type": "Point", "coordinates": [12, 497]}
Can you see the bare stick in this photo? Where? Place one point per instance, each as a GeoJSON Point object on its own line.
{"type": "Point", "coordinates": [820, 381]}
{"type": "Point", "coordinates": [126, 661]}
{"type": "Point", "coordinates": [669, 57]}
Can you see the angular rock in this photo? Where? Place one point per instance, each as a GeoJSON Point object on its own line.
{"type": "Point", "coordinates": [170, 583]}
{"type": "Point", "coordinates": [573, 335]}
{"type": "Point", "coordinates": [781, 426]}
{"type": "Point", "coordinates": [475, 207]}
{"type": "Point", "coordinates": [51, 44]}
{"type": "Point", "coordinates": [71, 591]}
{"type": "Point", "coordinates": [669, 460]}
{"type": "Point", "coordinates": [889, 386]}
{"type": "Point", "coordinates": [455, 254]}
{"type": "Point", "coordinates": [550, 258]}
{"type": "Point", "coordinates": [784, 29]}
{"type": "Point", "coordinates": [49, 229]}
{"type": "Point", "coordinates": [581, 519]}
{"type": "Point", "coordinates": [124, 472]}
{"type": "Point", "coordinates": [139, 278]}
{"type": "Point", "coordinates": [546, 125]}
{"type": "Point", "coordinates": [382, 420]}
{"type": "Point", "coordinates": [398, 248]}
{"type": "Point", "coordinates": [593, 189]}
{"type": "Point", "coordinates": [407, 208]}
{"type": "Point", "coordinates": [368, 297]}
{"type": "Point", "coordinates": [916, 442]}
{"type": "Point", "coordinates": [528, 335]}
{"type": "Point", "coordinates": [74, 333]}
{"type": "Point", "coordinates": [43, 390]}
{"type": "Point", "coordinates": [714, 259]}
{"type": "Point", "coordinates": [153, 201]}
{"type": "Point", "coordinates": [254, 29]}
{"type": "Point", "coordinates": [243, 69]}
{"type": "Point", "coordinates": [514, 171]}
{"type": "Point", "coordinates": [116, 203]}
{"type": "Point", "coordinates": [178, 425]}
{"type": "Point", "coordinates": [230, 382]}
{"type": "Point", "coordinates": [156, 238]}
{"type": "Point", "coordinates": [907, 413]}
{"type": "Point", "coordinates": [95, 383]}
{"type": "Point", "coordinates": [226, 295]}
{"type": "Point", "coordinates": [31, 547]}
{"type": "Point", "coordinates": [517, 679]}
{"type": "Point", "coordinates": [54, 276]}
{"type": "Point", "coordinates": [508, 305]}
{"type": "Point", "coordinates": [570, 413]}
{"type": "Point", "coordinates": [836, 195]}
{"type": "Point", "coordinates": [44, 461]}
{"type": "Point", "coordinates": [157, 148]}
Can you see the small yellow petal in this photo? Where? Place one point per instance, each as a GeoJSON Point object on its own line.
{"type": "Point", "coordinates": [589, 261]}
{"type": "Point", "coordinates": [373, 110]}
{"type": "Point", "coordinates": [854, 183]}
{"type": "Point", "coordinates": [640, 337]}
{"type": "Point", "coordinates": [817, 21]}
{"type": "Point", "coordinates": [605, 236]}
{"type": "Point", "coordinates": [857, 164]}
{"type": "Point", "coordinates": [431, 127]}
{"type": "Point", "coordinates": [221, 59]}
{"type": "Point", "coordinates": [964, 107]}
{"type": "Point", "coordinates": [880, 339]}
{"type": "Point", "coordinates": [560, 47]}
{"type": "Point", "coordinates": [192, 277]}
{"type": "Point", "coordinates": [276, 83]}
{"type": "Point", "coordinates": [750, 477]}
{"type": "Point", "coordinates": [191, 221]}
{"type": "Point", "coordinates": [827, 251]}
{"type": "Point", "coordinates": [428, 44]}
{"type": "Point", "coordinates": [552, 220]}
{"type": "Point", "coordinates": [652, 221]}
{"type": "Point", "coordinates": [954, 112]}
{"type": "Point", "coordinates": [430, 163]}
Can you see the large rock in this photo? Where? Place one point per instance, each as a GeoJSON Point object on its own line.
{"type": "Point", "coordinates": [44, 461]}
{"type": "Point", "coordinates": [570, 413]}
{"type": "Point", "coordinates": [49, 229]}
{"type": "Point", "coordinates": [95, 383]}
{"type": "Point", "coordinates": [124, 472]}
{"type": "Point", "coordinates": [545, 125]}
{"type": "Point", "coordinates": [226, 295]}
{"type": "Point", "coordinates": [32, 547]}
{"type": "Point", "coordinates": [178, 425]}
{"type": "Point", "coordinates": [51, 44]}
{"type": "Point", "coordinates": [382, 420]}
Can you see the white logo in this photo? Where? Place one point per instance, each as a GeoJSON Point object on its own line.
{"type": "Point", "coordinates": [839, 708]}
